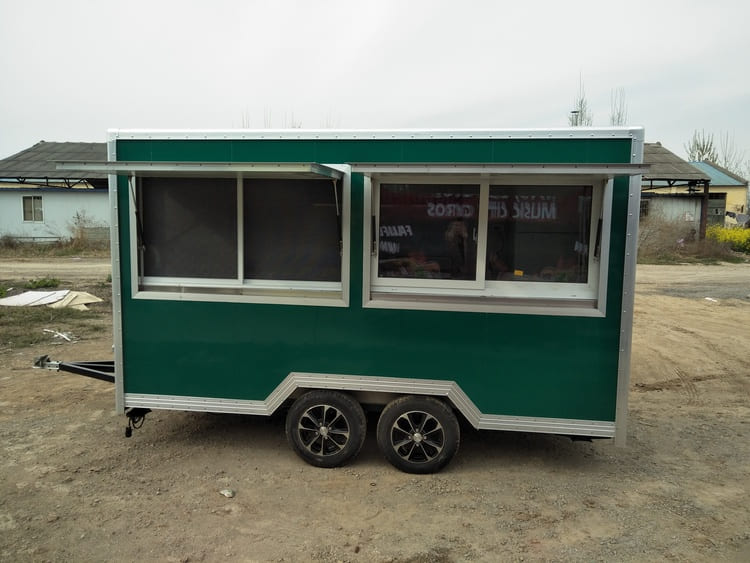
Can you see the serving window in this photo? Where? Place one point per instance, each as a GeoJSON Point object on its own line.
{"type": "Point", "coordinates": [230, 237]}
{"type": "Point", "coordinates": [488, 241]}
{"type": "Point", "coordinates": [539, 233]}
{"type": "Point", "coordinates": [291, 231]}
{"type": "Point", "coordinates": [428, 231]}
{"type": "Point", "coordinates": [189, 227]}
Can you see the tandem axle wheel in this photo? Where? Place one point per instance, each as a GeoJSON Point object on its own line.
{"type": "Point", "coordinates": [416, 434]}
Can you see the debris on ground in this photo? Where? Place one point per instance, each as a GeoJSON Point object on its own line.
{"type": "Point", "coordinates": [56, 299]}
{"type": "Point", "coordinates": [55, 334]}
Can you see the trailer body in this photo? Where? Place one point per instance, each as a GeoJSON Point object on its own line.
{"type": "Point", "coordinates": [493, 270]}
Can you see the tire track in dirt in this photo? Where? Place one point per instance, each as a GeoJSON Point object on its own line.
{"type": "Point", "coordinates": [683, 382]}
{"type": "Point", "coordinates": [689, 387]}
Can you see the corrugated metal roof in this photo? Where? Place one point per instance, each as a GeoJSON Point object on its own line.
{"type": "Point", "coordinates": [38, 162]}
{"type": "Point", "coordinates": [720, 176]}
{"type": "Point", "coordinates": [667, 166]}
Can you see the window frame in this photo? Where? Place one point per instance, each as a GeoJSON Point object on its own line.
{"type": "Point", "coordinates": [498, 296]}
{"type": "Point", "coordinates": [394, 284]}
{"type": "Point", "coordinates": [557, 290]}
{"type": "Point", "coordinates": [265, 283]}
{"type": "Point", "coordinates": [239, 289]}
{"type": "Point", "coordinates": [34, 218]}
{"type": "Point", "coordinates": [167, 280]}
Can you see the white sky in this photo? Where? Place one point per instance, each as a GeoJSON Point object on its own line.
{"type": "Point", "coordinates": [70, 70]}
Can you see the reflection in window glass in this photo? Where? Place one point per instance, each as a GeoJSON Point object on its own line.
{"type": "Point", "coordinates": [291, 230]}
{"type": "Point", "coordinates": [189, 227]}
{"type": "Point", "coordinates": [539, 233]}
{"type": "Point", "coordinates": [428, 231]}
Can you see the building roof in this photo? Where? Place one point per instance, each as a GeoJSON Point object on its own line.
{"type": "Point", "coordinates": [36, 165]}
{"type": "Point", "coordinates": [720, 176]}
{"type": "Point", "coordinates": [668, 167]}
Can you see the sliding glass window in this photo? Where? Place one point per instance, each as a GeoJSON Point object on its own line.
{"type": "Point", "coordinates": [490, 239]}
{"type": "Point", "coordinates": [242, 236]}
{"type": "Point", "coordinates": [539, 233]}
{"type": "Point", "coordinates": [428, 231]}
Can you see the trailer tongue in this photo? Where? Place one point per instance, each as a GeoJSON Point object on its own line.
{"type": "Point", "coordinates": [103, 370]}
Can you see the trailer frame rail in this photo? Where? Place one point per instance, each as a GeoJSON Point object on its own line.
{"type": "Point", "coordinates": [102, 370]}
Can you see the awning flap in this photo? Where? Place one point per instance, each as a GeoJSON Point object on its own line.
{"type": "Point", "coordinates": [245, 169]}
{"type": "Point", "coordinates": [606, 170]}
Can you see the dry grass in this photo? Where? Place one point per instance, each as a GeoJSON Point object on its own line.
{"type": "Point", "coordinates": [13, 248]}
{"type": "Point", "coordinates": [670, 242]}
{"type": "Point", "coordinates": [24, 326]}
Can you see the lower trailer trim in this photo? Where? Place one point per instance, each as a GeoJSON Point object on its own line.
{"type": "Point", "coordinates": [448, 389]}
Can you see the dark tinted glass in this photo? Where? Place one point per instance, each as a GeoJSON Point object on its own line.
{"type": "Point", "coordinates": [428, 231]}
{"type": "Point", "coordinates": [539, 233]}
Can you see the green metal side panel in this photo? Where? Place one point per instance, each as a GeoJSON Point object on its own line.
{"type": "Point", "coordinates": [392, 151]}
{"type": "Point", "coordinates": [535, 365]}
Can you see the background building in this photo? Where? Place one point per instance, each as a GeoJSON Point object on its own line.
{"type": "Point", "coordinates": [39, 203]}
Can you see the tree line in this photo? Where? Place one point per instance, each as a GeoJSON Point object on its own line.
{"type": "Point", "coordinates": [701, 147]}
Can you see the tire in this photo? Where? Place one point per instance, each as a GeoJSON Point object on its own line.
{"type": "Point", "coordinates": [418, 434]}
{"type": "Point", "coordinates": [326, 428]}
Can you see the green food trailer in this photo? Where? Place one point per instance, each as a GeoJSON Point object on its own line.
{"type": "Point", "coordinates": [429, 274]}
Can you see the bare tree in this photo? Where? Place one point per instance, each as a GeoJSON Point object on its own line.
{"type": "Point", "coordinates": [290, 122]}
{"type": "Point", "coordinates": [730, 157]}
{"type": "Point", "coordinates": [701, 147]}
{"type": "Point", "coordinates": [245, 119]}
{"type": "Point", "coordinates": [618, 112]}
{"type": "Point", "coordinates": [331, 122]}
{"type": "Point", "coordinates": [581, 115]}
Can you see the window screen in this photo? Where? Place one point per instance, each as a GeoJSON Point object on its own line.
{"type": "Point", "coordinates": [189, 227]}
{"type": "Point", "coordinates": [428, 231]}
{"type": "Point", "coordinates": [539, 233]}
{"type": "Point", "coordinates": [291, 230]}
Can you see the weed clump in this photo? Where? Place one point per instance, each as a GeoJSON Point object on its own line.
{"type": "Point", "coordinates": [42, 283]}
{"type": "Point", "coordinates": [661, 241]}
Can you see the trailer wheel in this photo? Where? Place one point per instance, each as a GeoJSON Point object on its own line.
{"type": "Point", "coordinates": [418, 434]}
{"type": "Point", "coordinates": [326, 428]}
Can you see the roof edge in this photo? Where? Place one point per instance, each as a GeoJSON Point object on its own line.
{"type": "Point", "coordinates": [635, 133]}
{"type": "Point", "coordinates": [724, 171]}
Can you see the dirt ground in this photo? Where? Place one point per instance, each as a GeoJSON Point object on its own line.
{"type": "Point", "coordinates": [73, 488]}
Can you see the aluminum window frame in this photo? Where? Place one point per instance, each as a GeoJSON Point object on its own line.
{"type": "Point", "coordinates": [394, 284]}
{"type": "Point", "coordinates": [239, 289]}
{"type": "Point", "coordinates": [601, 190]}
{"type": "Point", "coordinates": [136, 192]}
{"type": "Point", "coordinates": [493, 296]}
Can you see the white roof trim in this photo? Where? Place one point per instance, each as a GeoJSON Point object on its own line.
{"type": "Point", "coordinates": [636, 133]}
